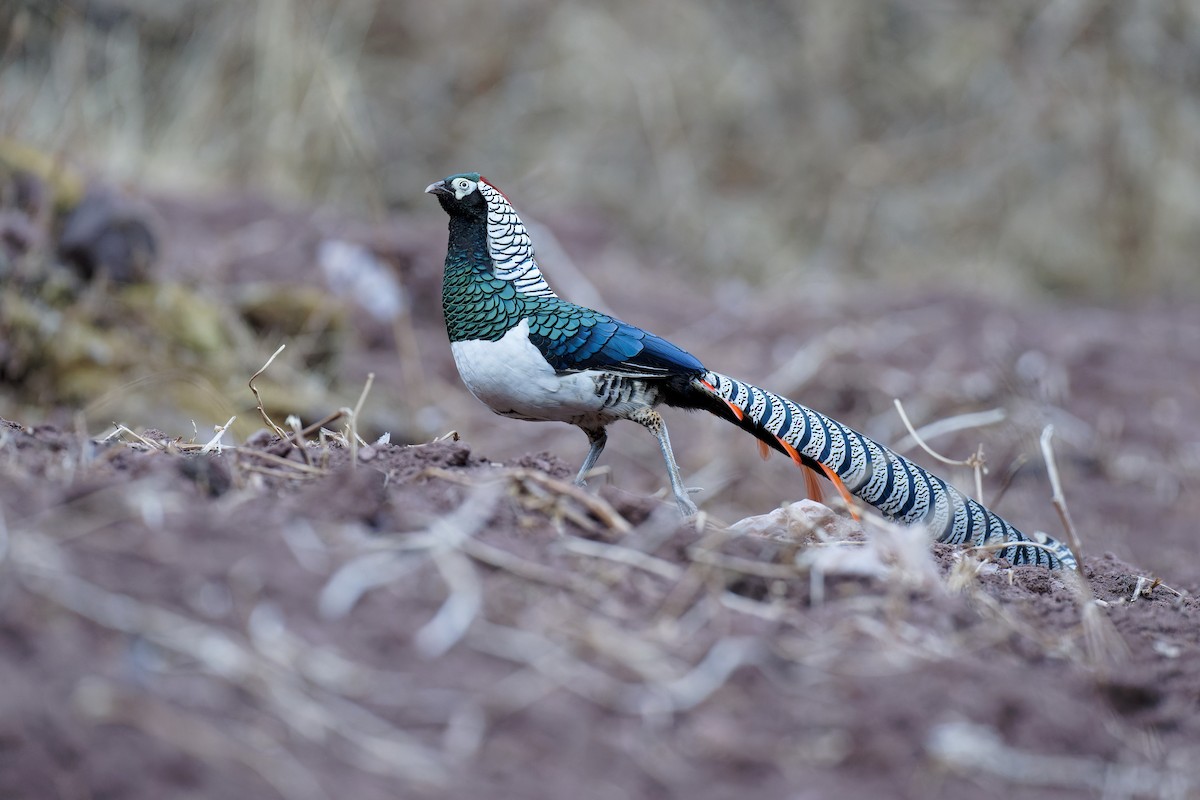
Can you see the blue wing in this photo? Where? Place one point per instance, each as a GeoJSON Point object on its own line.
{"type": "Point", "coordinates": [573, 338]}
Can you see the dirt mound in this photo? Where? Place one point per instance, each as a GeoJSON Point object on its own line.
{"type": "Point", "coordinates": [425, 622]}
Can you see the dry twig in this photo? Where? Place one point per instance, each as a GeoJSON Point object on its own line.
{"type": "Point", "coordinates": [261, 410]}
{"type": "Point", "coordinates": [1057, 497]}
{"type": "Point", "coordinates": [975, 461]}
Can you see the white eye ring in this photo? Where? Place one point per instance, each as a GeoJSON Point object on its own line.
{"type": "Point", "coordinates": [463, 187]}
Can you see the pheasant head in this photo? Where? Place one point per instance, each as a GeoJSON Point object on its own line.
{"type": "Point", "coordinates": [471, 199]}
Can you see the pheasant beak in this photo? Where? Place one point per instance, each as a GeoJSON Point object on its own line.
{"type": "Point", "coordinates": [438, 187]}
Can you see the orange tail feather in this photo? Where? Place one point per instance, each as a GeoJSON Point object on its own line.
{"type": "Point", "coordinates": [844, 492]}
{"type": "Point", "coordinates": [737, 412]}
{"type": "Point", "coordinates": [812, 485]}
{"type": "Point", "coordinates": [810, 481]}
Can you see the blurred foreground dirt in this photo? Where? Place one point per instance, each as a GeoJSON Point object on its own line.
{"type": "Point", "coordinates": [428, 624]}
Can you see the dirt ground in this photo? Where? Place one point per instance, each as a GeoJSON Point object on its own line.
{"type": "Point", "coordinates": [453, 619]}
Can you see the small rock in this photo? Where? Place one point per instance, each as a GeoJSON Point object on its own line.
{"type": "Point", "coordinates": [111, 235]}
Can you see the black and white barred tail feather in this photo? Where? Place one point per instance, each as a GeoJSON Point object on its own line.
{"type": "Point", "coordinates": [900, 489]}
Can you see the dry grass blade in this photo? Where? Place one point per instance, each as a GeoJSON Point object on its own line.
{"type": "Point", "coordinates": [673, 573]}
{"type": "Point", "coordinates": [261, 410]}
{"type": "Point", "coordinates": [743, 566]}
{"type": "Point", "coordinates": [960, 422]}
{"type": "Point", "coordinates": [121, 429]}
{"type": "Point", "coordinates": [214, 444]}
{"type": "Point", "coordinates": [551, 494]}
{"type": "Point", "coordinates": [599, 508]}
{"type": "Point", "coordinates": [975, 462]}
{"type": "Point", "coordinates": [354, 417]}
{"type": "Point", "coordinates": [1103, 643]}
{"type": "Point", "coordinates": [531, 570]}
{"type": "Point", "coordinates": [297, 437]}
{"type": "Point", "coordinates": [623, 555]}
{"type": "Point", "coordinates": [279, 461]}
{"type": "Point", "coordinates": [996, 547]}
{"type": "Point", "coordinates": [1057, 497]}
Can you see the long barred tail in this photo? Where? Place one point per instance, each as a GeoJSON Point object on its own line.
{"type": "Point", "coordinates": [897, 487]}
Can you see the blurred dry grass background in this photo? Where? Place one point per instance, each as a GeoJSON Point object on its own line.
{"type": "Point", "coordinates": [1017, 146]}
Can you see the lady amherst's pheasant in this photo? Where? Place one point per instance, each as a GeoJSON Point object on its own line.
{"type": "Point", "coordinates": [529, 354]}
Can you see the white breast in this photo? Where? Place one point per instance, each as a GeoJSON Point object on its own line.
{"type": "Point", "coordinates": [513, 378]}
